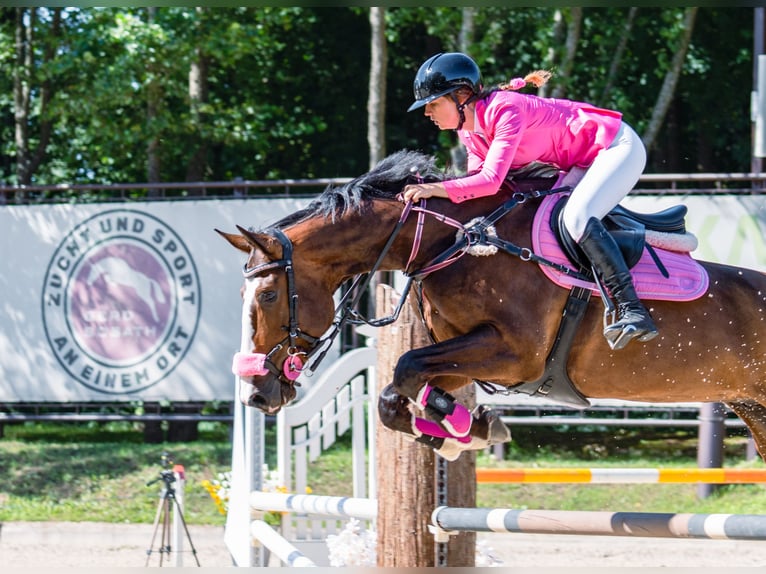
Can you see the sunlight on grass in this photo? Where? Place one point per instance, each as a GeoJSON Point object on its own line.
{"type": "Point", "coordinates": [58, 473]}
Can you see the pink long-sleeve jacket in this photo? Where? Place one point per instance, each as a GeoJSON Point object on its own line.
{"type": "Point", "coordinates": [513, 129]}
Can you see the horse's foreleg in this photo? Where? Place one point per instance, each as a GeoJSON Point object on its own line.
{"type": "Point", "coordinates": [396, 412]}
{"type": "Point", "coordinates": [426, 375]}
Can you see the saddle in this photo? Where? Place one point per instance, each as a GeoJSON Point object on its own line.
{"type": "Point", "coordinates": [682, 279]}
{"type": "Point", "coordinates": [655, 246]}
{"type": "Point", "coordinates": [628, 228]}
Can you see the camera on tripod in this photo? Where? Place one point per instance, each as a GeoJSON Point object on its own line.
{"type": "Point", "coordinates": [167, 475]}
{"type": "Point", "coordinates": [169, 504]}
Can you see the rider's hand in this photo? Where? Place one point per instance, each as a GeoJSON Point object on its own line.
{"type": "Point", "coordinates": [416, 192]}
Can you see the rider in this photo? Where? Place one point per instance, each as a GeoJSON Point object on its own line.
{"type": "Point", "coordinates": [504, 129]}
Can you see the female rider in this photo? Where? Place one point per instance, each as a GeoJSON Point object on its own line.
{"type": "Point", "coordinates": [504, 129]}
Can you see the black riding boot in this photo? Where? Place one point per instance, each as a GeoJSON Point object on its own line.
{"type": "Point", "coordinates": [633, 320]}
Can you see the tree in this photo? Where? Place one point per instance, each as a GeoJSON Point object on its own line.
{"type": "Point", "coordinates": [614, 67]}
{"type": "Point", "coordinates": [199, 87]}
{"type": "Point", "coordinates": [666, 93]}
{"type": "Point", "coordinates": [102, 94]}
{"type": "Point", "coordinates": [573, 29]}
{"type": "Point", "coordinates": [376, 103]}
{"type": "Point", "coordinates": [33, 88]}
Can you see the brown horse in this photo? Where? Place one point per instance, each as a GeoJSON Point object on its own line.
{"type": "Point", "coordinates": [492, 318]}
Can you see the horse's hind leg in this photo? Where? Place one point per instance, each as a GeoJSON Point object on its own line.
{"type": "Point", "coordinates": [753, 414]}
{"type": "Point", "coordinates": [396, 412]}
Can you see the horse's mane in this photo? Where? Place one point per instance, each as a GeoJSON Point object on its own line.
{"type": "Point", "coordinates": [384, 181]}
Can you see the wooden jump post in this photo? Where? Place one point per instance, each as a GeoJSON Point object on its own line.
{"type": "Point", "coordinates": [411, 478]}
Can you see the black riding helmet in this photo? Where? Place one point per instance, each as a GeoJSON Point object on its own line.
{"type": "Point", "coordinates": [442, 74]}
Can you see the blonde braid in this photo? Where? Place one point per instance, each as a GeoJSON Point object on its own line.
{"type": "Point", "coordinates": [538, 78]}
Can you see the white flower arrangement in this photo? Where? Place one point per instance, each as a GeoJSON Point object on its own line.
{"type": "Point", "coordinates": [354, 546]}
{"type": "Point", "coordinates": [357, 546]}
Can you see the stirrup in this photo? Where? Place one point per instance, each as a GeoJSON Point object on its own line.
{"type": "Point", "coordinates": [619, 335]}
{"type": "Point", "coordinates": [627, 334]}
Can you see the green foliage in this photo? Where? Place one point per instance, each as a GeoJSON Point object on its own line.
{"type": "Point", "coordinates": [286, 87]}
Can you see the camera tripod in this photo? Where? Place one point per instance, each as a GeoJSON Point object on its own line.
{"type": "Point", "coordinates": [168, 500]}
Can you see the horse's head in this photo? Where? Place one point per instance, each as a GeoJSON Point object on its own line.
{"type": "Point", "coordinates": [275, 343]}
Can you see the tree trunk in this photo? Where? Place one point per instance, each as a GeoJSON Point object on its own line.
{"type": "Point", "coordinates": [376, 102]}
{"type": "Point", "coordinates": [559, 36]}
{"type": "Point", "coordinates": [458, 154]}
{"type": "Point", "coordinates": [21, 92]}
{"type": "Point", "coordinates": [467, 29]}
{"type": "Point", "coordinates": [406, 470]}
{"type": "Point", "coordinates": [574, 27]}
{"type": "Point", "coordinates": [153, 103]}
{"type": "Point", "coordinates": [671, 80]}
{"type": "Point", "coordinates": [198, 97]}
{"type": "Point", "coordinates": [614, 67]}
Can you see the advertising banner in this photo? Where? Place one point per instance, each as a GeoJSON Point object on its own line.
{"type": "Point", "coordinates": [113, 302]}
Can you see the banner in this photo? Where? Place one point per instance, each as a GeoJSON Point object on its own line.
{"type": "Point", "coordinates": [141, 301]}
{"type": "Point", "coordinates": [119, 302]}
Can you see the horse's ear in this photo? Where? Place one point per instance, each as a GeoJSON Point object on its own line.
{"type": "Point", "coordinates": [247, 240]}
{"type": "Point", "coordinates": [238, 241]}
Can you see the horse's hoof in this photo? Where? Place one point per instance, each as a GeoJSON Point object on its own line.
{"type": "Point", "coordinates": [451, 449]}
{"type": "Point", "coordinates": [497, 431]}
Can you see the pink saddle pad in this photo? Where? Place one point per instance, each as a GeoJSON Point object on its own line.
{"type": "Point", "coordinates": [688, 279]}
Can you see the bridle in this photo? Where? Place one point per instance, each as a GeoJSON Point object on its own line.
{"type": "Point", "coordinates": [249, 364]}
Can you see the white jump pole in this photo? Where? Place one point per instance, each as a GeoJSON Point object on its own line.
{"type": "Point", "coordinates": [347, 507]}
{"type": "Point", "coordinates": [594, 523]}
{"type": "Point", "coordinates": [272, 540]}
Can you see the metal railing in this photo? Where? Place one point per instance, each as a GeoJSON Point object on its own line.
{"type": "Point", "coordinates": [653, 183]}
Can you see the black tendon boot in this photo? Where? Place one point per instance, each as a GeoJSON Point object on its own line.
{"type": "Point", "coordinates": [633, 320]}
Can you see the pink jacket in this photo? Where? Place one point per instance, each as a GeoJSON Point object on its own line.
{"type": "Point", "coordinates": [512, 129]}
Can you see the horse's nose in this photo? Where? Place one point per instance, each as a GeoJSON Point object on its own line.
{"type": "Point", "coordinates": [257, 401]}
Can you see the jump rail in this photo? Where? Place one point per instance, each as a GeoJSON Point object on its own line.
{"type": "Point", "coordinates": [274, 541]}
{"type": "Point", "coordinates": [347, 507]}
{"type": "Point", "coordinates": [446, 520]}
{"type": "Point", "coordinates": [621, 475]}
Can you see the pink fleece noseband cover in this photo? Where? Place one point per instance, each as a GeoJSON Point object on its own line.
{"type": "Point", "coordinates": [254, 365]}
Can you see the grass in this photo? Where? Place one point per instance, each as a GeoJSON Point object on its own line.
{"type": "Point", "coordinates": [99, 472]}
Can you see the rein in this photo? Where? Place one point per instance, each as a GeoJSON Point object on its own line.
{"type": "Point", "coordinates": [346, 311]}
{"type": "Point", "coordinates": [476, 234]}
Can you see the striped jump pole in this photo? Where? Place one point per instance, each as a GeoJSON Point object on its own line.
{"type": "Point", "coordinates": [272, 540]}
{"type": "Point", "coordinates": [621, 475]}
{"type": "Point", "coordinates": [361, 508]}
{"type": "Point", "coordinates": [591, 523]}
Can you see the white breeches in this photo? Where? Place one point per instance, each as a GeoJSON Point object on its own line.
{"type": "Point", "coordinates": [606, 182]}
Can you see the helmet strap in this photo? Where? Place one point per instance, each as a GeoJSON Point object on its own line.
{"type": "Point", "coordinates": [460, 110]}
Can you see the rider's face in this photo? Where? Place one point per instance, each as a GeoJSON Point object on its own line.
{"type": "Point", "coordinates": [443, 112]}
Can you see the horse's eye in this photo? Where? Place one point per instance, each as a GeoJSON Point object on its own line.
{"type": "Point", "coordinates": [267, 296]}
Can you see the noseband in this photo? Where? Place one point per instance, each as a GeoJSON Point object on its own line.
{"type": "Point", "coordinates": [259, 364]}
